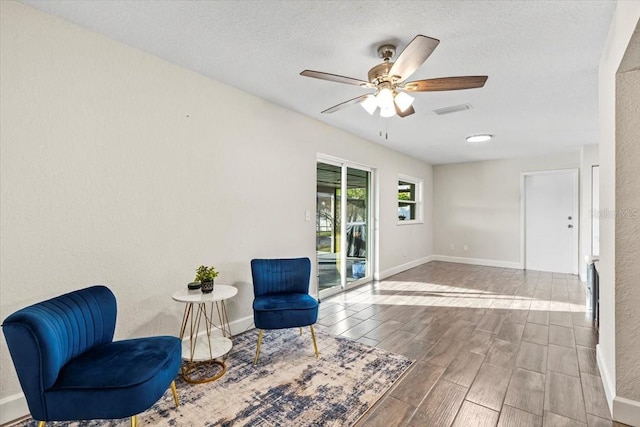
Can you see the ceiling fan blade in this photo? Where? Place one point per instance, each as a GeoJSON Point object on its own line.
{"type": "Point", "coordinates": [335, 78]}
{"type": "Point", "coordinates": [345, 104]}
{"type": "Point", "coordinates": [413, 56]}
{"type": "Point", "coordinates": [409, 111]}
{"type": "Point", "coordinates": [446, 83]}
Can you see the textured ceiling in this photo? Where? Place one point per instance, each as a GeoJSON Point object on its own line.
{"type": "Point", "coordinates": [541, 58]}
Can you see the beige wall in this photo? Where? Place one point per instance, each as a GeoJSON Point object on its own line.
{"type": "Point", "coordinates": [618, 341]}
{"type": "Point", "coordinates": [120, 168]}
{"type": "Point", "coordinates": [628, 222]}
{"type": "Point", "coordinates": [478, 204]}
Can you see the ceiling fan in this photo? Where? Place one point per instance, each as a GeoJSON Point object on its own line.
{"type": "Point", "coordinates": [388, 78]}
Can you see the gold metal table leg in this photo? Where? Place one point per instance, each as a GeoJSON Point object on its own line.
{"type": "Point", "coordinates": [191, 320]}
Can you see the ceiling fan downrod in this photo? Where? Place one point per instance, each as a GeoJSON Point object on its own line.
{"type": "Point", "coordinates": [387, 51]}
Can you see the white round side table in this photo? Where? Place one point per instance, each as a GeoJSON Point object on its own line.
{"type": "Point", "coordinates": [201, 348]}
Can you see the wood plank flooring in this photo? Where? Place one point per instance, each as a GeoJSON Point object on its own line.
{"type": "Point", "coordinates": [493, 346]}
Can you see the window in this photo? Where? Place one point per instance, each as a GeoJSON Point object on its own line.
{"type": "Point", "coordinates": [409, 199]}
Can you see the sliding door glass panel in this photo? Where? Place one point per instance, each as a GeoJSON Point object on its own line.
{"type": "Point", "coordinates": [328, 225]}
{"type": "Point", "coordinates": [357, 224]}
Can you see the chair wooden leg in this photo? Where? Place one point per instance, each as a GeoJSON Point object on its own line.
{"type": "Point", "coordinates": [41, 423]}
{"type": "Point", "coordinates": [300, 331]}
{"type": "Point", "coordinates": [134, 421]}
{"type": "Point", "coordinates": [175, 393]}
{"type": "Point", "coordinates": [255, 361]}
{"type": "Point", "coordinates": [313, 336]}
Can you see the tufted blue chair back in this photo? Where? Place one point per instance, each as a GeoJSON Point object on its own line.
{"type": "Point", "coordinates": [43, 337]}
{"type": "Point", "coordinates": [275, 276]}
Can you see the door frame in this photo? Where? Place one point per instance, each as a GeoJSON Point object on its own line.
{"type": "Point", "coordinates": [372, 245]}
{"type": "Point", "coordinates": [595, 210]}
{"type": "Point", "coordinates": [576, 214]}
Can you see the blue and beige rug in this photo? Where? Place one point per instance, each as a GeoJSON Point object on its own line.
{"type": "Point", "coordinates": [288, 387]}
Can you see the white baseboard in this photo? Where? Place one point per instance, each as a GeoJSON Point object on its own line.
{"type": "Point", "coordinates": [626, 411]}
{"type": "Point", "coordinates": [13, 407]}
{"type": "Point", "coordinates": [607, 383]}
{"type": "Point", "coordinates": [622, 409]}
{"type": "Point", "coordinates": [237, 327]}
{"type": "Point", "coordinates": [400, 268]}
{"type": "Point", "coordinates": [242, 325]}
{"type": "Point", "coordinates": [460, 260]}
{"type": "Point", "coordinates": [478, 261]}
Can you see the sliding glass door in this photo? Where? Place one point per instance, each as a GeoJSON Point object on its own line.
{"type": "Point", "coordinates": [357, 224]}
{"type": "Point", "coordinates": [343, 247]}
{"type": "Point", "coordinates": [328, 236]}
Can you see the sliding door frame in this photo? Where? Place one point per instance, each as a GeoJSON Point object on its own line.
{"type": "Point", "coordinates": [372, 230]}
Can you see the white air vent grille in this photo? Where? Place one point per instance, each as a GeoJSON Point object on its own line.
{"type": "Point", "coordinates": [452, 109]}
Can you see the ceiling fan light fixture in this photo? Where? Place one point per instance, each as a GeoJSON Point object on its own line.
{"type": "Point", "coordinates": [483, 137]}
{"type": "Point", "coordinates": [370, 104]}
{"type": "Point", "coordinates": [403, 101]}
{"type": "Point", "coordinates": [387, 112]}
{"type": "Point", "coordinates": [385, 99]}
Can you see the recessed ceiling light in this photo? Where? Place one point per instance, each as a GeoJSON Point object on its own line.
{"type": "Point", "coordinates": [484, 137]}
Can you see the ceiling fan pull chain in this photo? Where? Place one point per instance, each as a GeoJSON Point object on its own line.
{"type": "Point", "coordinates": [386, 127]}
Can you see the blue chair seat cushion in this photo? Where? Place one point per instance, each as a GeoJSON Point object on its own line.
{"type": "Point", "coordinates": [119, 364]}
{"type": "Point", "coordinates": [281, 311]}
{"type": "Point", "coordinates": [115, 380]}
{"type": "Point", "coordinates": [273, 302]}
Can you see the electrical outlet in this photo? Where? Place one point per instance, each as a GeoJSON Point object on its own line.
{"type": "Point", "coordinates": [466, 248]}
{"type": "Point", "coordinates": [307, 216]}
{"type": "Point", "coordinates": [452, 247]}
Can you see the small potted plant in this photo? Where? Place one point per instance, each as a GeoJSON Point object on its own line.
{"type": "Point", "coordinates": [205, 276]}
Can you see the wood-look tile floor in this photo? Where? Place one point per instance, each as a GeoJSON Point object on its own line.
{"type": "Point", "coordinates": [493, 346]}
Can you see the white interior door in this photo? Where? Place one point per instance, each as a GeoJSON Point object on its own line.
{"type": "Point", "coordinates": [551, 221]}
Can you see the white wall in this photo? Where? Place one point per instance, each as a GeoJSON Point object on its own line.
{"type": "Point", "coordinates": [478, 204]}
{"type": "Point", "coordinates": [588, 158]}
{"type": "Point", "coordinates": [120, 168]}
{"type": "Point", "coordinates": [617, 317]}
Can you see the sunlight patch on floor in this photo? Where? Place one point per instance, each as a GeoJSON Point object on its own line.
{"type": "Point", "coordinates": [439, 295]}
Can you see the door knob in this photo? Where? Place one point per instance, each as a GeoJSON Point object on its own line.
{"type": "Point", "coordinates": [570, 226]}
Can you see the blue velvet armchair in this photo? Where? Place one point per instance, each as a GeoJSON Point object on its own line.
{"type": "Point", "coordinates": [70, 368]}
{"type": "Point", "coordinates": [282, 300]}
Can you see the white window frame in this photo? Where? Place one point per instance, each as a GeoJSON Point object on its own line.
{"type": "Point", "coordinates": [419, 183]}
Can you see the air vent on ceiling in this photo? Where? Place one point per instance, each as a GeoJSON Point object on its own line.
{"type": "Point", "coordinates": [452, 109]}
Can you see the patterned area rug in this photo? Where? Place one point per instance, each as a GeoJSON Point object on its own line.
{"type": "Point", "coordinates": [288, 387]}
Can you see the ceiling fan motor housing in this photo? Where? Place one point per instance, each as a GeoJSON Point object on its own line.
{"type": "Point", "coordinates": [380, 73]}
